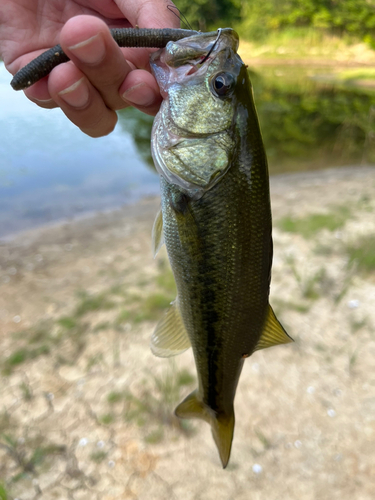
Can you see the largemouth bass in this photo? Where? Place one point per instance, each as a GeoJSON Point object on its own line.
{"type": "Point", "coordinates": [215, 220]}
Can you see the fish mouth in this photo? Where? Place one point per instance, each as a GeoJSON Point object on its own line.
{"type": "Point", "coordinates": [190, 57]}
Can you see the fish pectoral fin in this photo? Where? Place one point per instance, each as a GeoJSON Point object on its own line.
{"type": "Point", "coordinates": [222, 424]}
{"type": "Point", "coordinates": [273, 332]}
{"type": "Point", "coordinates": [170, 336]}
{"type": "Point", "coordinates": [157, 233]}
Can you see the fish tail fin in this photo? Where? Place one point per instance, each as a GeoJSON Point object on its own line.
{"type": "Point", "coordinates": [222, 427]}
{"type": "Point", "coordinates": [222, 424]}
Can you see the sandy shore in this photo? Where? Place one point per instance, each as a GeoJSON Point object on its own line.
{"type": "Point", "coordinates": [86, 409]}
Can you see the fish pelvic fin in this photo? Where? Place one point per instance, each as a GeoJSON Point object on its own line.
{"type": "Point", "coordinates": [273, 332]}
{"type": "Point", "coordinates": [170, 336]}
{"type": "Point", "coordinates": [222, 424]}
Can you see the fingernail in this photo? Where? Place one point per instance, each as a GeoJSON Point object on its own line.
{"type": "Point", "coordinates": [43, 102]}
{"type": "Point", "coordinates": [77, 95]}
{"type": "Point", "coordinates": [90, 51]}
{"type": "Point", "coordinates": [141, 95]}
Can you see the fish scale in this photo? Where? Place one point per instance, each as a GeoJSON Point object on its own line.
{"type": "Point", "coordinates": [217, 233]}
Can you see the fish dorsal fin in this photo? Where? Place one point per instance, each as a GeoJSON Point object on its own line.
{"type": "Point", "coordinates": [170, 336]}
{"type": "Point", "coordinates": [273, 332]}
{"type": "Point", "coordinates": [157, 233]}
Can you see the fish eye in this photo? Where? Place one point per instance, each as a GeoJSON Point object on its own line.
{"type": "Point", "coordinates": [223, 84]}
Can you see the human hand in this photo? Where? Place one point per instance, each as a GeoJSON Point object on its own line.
{"type": "Point", "coordinates": [101, 77]}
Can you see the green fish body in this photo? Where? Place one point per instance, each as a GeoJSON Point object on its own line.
{"type": "Point", "coordinates": [215, 220]}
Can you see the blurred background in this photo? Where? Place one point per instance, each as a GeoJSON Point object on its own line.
{"type": "Point", "coordinates": [86, 411]}
{"type": "Point", "coordinates": [312, 65]}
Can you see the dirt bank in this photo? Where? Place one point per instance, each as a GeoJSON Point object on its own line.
{"type": "Point", "coordinates": [86, 410]}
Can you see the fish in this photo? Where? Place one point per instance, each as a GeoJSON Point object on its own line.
{"type": "Point", "coordinates": [215, 221]}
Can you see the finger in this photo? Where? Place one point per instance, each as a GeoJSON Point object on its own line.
{"type": "Point", "coordinates": [80, 101]}
{"type": "Point", "coordinates": [149, 13]}
{"type": "Point", "coordinates": [39, 94]}
{"type": "Point", "coordinates": [141, 91]}
{"type": "Point", "coordinates": [89, 44]}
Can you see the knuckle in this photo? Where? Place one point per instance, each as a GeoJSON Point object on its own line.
{"type": "Point", "coordinates": [102, 128]}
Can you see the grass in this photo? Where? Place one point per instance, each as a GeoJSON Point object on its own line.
{"type": "Point", "coordinates": [43, 338]}
{"type": "Point", "coordinates": [350, 75]}
{"type": "Point", "coordinates": [311, 286]}
{"type": "Point", "coordinates": [356, 325]}
{"type": "Point", "coordinates": [89, 303]}
{"type": "Point", "coordinates": [98, 456]}
{"type": "Point", "coordinates": [107, 419]}
{"type": "Point", "coordinates": [310, 225]}
{"type": "Point", "coordinates": [295, 42]}
{"type": "Point", "coordinates": [21, 355]}
{"type": "Point", "coordinates": [153, 405]}
{"type": "Point", "coordinates": [27, 393]}
{"type": "Point", "coordinates": [3, 492]}
{"type": "Point", "coordinates": [28, 454]}
{"type": "Point", "coordinates": [280, 305]}
{"type": "Point", "coordinates": [115, 397]}
{"type": "Point", "coordinates": [362, 254]}
{"type": "Point", "coordinates": [67, 322]}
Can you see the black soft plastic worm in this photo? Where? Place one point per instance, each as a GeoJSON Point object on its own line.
{"type": "Point", "coordinates": [42, 65]}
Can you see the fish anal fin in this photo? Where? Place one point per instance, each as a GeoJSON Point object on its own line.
{"type": "Point", "coordinates": [192, 407]}
{"type": "Point", "coordinates": [170, 336]}
{"type": "Point", "coordinates": [222, 424]}
{"type": "Point", "coordinates": [273, 332]}
{"type": "Point", "coordinates": [157, 234]}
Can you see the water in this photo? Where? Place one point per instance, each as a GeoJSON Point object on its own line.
{"type": "Point", "coordinates": [49, 170]}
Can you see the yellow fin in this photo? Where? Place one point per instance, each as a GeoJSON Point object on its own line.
{"type": "Point", "coordinates": [157, 234]}
{"type": "Point", "coordinates": [170, 336]}
{"type": "Point", "coordinates": [222, 425]}
{"type": "Point", "coordinates": [192, 407]}
{"type": "Point", "coordinates": [273, 332]}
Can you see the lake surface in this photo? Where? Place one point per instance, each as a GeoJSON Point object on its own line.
{"type": "Point", "coordinates": [49, 170]}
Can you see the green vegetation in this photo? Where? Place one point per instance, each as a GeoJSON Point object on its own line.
{"type": "Point", "coordinates": [362, 254]}
{"type": "Point", "coordinates": [3, 493]}
{"type": "Point", "coordinates": [209, 14]}
{"type": "Point", "coordinates": [28, 454]}
{"type": "Point", "coordinates": [352, 75]}
{"type": "Point", "coordinates": [153, 405]}
{"type": "Point", "coordinates": [89, 303]}
{"type": "Point", "coordinates": [36, 342]}
{"type": "Point", "coordinates": [107, 419]}
{"type": "Point", "coordinates": [70, 331]}
{"type": "Point", "coordinates": [310, 225]}
{"type": "Point", "coordinates": [280, 305]}
{"type": "Point", "coordinates": [355, 17]}
{"type": "Point", "coordinates": [115, 397]}
{"type": "Point", "coordinates": [306, 123]}
{"type": "Point", "coordinates": [150, 307]}
{"type": "Point", "coordinates": [357, 325]}
{"type": "Point", "coordinates": [98, 456]}
{"type": "Point", "coordinates": [139, 125]}
{"type": "Point", "coordinates": [255, 19]}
